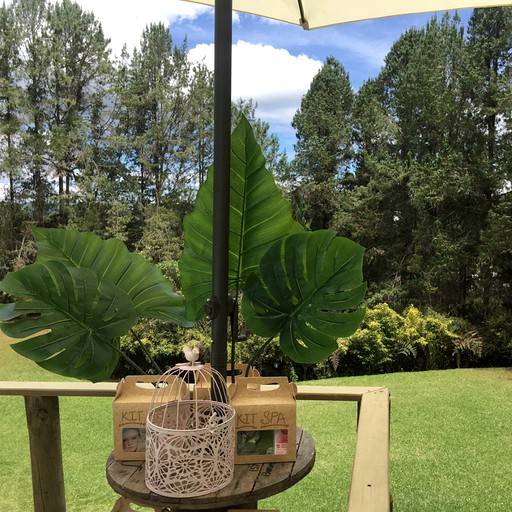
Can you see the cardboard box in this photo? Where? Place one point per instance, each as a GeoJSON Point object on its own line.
{"type": "Point", "coordinates": [131, 406]}
{"type": "Point", "coordinates": [202, 388]}
{"type": "Point", "coordinates": [266, 419]}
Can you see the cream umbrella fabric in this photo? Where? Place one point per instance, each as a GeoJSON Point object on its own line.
{"type": "Point", "coordinates": [323, 13]}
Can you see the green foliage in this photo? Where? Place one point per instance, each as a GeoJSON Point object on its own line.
{"type": "Point", "coordinates": [324, 145]}
{"type": "Point", "coordinates": [161, 240]}
{"type": "Point", "coordinates": [303, 286]}
{"type": "Point", "coordinates": [87, 292]}
{"type": "Point", "coordinates": [83, 319]}
{"type": "Point", "coordinates": [152, 295]}
{"type": "Point", "coordinates": [497, 332]}
{"type": "Point", "coordinates": [308, 286]}
{"type": "Point", "coordinates": [430, 195]}
{"type": "Point", "coordinates": [259, 216]}
{"type": "Point", "coordinates": [161, 341]}
{"type": "Point", "coordinates": [275, 159]}
{"type": "Point", "coordinates": [272, 362]}
{"type": "Point", "coordinates": [415, 166]}
{"type": "Point", "coordinates": [324, 135]}
{"type": "Point", "coordinates": [390, 342]}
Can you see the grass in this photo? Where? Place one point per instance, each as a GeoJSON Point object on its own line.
{"type": "Point", "coordinates": [451, 444]}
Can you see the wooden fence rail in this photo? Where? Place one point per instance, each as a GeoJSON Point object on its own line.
{"type": "Point", "coordinates": [369, 488]}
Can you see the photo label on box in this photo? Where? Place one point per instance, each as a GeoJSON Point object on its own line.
{"type": "Point", "coordinates": [262, 442]}
{"type": "Point", "coordinates": [134, 439]}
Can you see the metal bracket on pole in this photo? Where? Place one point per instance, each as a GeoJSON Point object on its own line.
{"type": "Point", "coordinates": [213, 305]}
{"type": "Point", "coordinates": [210, 309]}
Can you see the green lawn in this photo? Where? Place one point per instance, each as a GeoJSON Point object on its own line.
{"type": "Point", "coordinates": [451, 444]}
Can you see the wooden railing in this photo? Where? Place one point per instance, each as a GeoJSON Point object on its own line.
{"type": "Point", "coordinates": [369, 489]}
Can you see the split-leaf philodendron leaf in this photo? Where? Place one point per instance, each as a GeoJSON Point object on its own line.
{"type": "Point", "coordinates": [85, 293]}
{"type": "Point", "coordinates": [308, 287]}
{"type": "Point", "coordinates": [152, 294]}
{"type": "Point", "coordinates": [76, 319]}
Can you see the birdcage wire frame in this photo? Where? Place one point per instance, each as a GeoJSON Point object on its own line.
{"type": "Point", "coordinates": [190, 443]}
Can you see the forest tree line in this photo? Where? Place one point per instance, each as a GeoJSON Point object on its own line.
{"type": "Point", "coordinates": [416, 166]}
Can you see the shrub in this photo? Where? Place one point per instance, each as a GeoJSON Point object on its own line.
{"type": "Point", "coordinates": [161, 341]}
{"type": "Point", "coordinates": [272, 361]}
{"type": "Point", "coordinates": [385, 342]}
{"type": "Point", "coordinates": [497, 350]}
{"type": "Point", "coordinates": [390, 342]}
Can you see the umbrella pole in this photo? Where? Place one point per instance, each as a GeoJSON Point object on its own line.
{"type": "Point", "coordinates": [221, 185]}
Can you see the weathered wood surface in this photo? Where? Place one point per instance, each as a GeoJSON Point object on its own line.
{"type": "Point", "coordinates": [369, 490]}
{"type": "Point", "coordinates": [22, 388]}
{"type": "Point", "coordinates": [43, 422]}
{"type": "Point", "coordinates": [108, 389]}
{"type": "Point", "coordinates": [251, 482]}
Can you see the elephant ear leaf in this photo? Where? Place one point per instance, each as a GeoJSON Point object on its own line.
{"type": "Point", "coordinates": [258, 216]}
{"type": "Point", "coordinates": [309, 287]}
{"type": "Point", "coordinates": [152, 294]}
{"type": "Point", "coordinates": [74, 319]}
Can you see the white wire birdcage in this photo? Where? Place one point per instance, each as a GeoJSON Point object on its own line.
{"type": "Point", "coordinates": [190, 443]}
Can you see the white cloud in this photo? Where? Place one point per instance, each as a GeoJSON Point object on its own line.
{"type": "Point", "coordinates": [272, 77]}
{"type": "Point", "coordinates": [123, 21]}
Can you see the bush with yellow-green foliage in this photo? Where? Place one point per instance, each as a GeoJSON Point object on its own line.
{"type": "Point", "coordinates": [389, 342]}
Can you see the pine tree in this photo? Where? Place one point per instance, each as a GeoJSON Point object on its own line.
{"type": "Point", "coordinates": [78, 62]}
{"type": "Point", "coordinates": [156, 113]}
{"type": "Point", "coordinates": [324, 148]}
{"type": "Point", "coordinates": [490, 47]}
{"type": "Point", "coordinates": [324, 139]}
{"type": "Point", "coordinates": [10, 100]}
{"type": "Point", "coordinates": [31, 18]}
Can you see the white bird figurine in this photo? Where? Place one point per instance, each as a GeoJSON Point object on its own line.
{"type": "Point", "coordinates": [191, 354]}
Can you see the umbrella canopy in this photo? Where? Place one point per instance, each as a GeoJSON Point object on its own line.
{"type": "Point", "coordinates": [312, 14]}
{"type": "Point", "coordinates": [309, 14]}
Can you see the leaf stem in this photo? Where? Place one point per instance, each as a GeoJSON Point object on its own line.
{"type": "Point", "coordinates": [129, 360]}
{"type": "Point", "coordinates": [257, 354]}
{"type": "Point", "coordinates": [146, 352]}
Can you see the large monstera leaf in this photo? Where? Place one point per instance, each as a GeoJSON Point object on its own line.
{"type": "Point", "coordinates": [309, 286]}
{"type": "Point", "coordinates": [152, 294]}
{"type": "Point", "coordinates": [259, 216]}
{"type": "Point", "coordinates": [76, 319]}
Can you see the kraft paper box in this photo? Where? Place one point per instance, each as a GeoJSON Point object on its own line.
{"type": "Point", "coordinates": [202, 388]}
{"type": "Point", "coordinates": [266, 419]}
{"type": "Point", "coordinates": [131, 406]}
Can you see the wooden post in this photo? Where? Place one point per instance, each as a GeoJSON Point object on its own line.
{"type": "Point", "coordinates": [43, 423]}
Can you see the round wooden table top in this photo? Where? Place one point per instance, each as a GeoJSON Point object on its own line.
{"type": "Point", "coordinates": [251, 482]}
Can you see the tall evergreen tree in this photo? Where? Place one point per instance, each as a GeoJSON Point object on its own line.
{"type": "Point", "coordinates": [490, 48]}
{"type": "Point", "coordinates": [78, 62]}
{"type": "Point", "coordinates": [417, 152]}
{"type": "Point", "coordinates": [324, 142]}
{"type": "Point", "coordinates": [156, 113]}
{"type": "Point", "coordinates": [10, 100]}
{"type": "Point", "coordinates": [324, 147]}
{"type": "Point", "coordinates": [32, 21]}
{"type": "Point", "coordinates": [198, 143]}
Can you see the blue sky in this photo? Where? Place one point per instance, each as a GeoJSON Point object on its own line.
{"type": "Point", "coordinates": [273, 62]}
